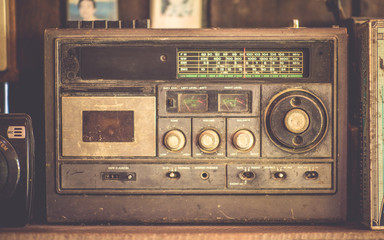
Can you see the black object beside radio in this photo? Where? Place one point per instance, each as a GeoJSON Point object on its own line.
{"type": "Point", "coordinates": [194, 126]}
{"type": "Point", "coordinates": [16, 169]}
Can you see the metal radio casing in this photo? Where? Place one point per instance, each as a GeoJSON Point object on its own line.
{"type": "Point", "coordinates": [136, 133]}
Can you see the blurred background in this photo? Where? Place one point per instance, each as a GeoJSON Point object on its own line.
{"type": "Point", "coordinates": [33, 16]}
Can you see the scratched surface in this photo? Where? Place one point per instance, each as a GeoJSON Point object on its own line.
{"type": "Point", "coordinates": [210, 232]}
{"type": "Point", "coordinates": [380, 111]}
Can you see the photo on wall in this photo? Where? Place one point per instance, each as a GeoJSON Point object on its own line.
{"type": "Point", "coordinates": [176, 13]}
{"type": "Point", "coordinates": [90, 10]}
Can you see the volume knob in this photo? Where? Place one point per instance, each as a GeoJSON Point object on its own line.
{"type": "Point", "coordinates": [209, 141]}
{"type": "Point", "coordinates": [243, 140]}
{"type": "Point", "coordinates": [174, 140]}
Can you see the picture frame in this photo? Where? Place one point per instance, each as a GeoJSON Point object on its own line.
{"type": "Point", "coordinates": [90, 10]}
{"type": "Point", "coordinates": [177, 13]}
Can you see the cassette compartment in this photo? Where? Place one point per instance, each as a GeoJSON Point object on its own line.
{"type": "Point", "coordinates": [123, 126]}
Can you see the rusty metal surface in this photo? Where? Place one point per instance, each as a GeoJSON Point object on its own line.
{"type": "Point", "coordinates": [370, 36]}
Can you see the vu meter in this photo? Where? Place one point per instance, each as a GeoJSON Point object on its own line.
{"type": "Point", "coordinates": [193, 103]}
{"type": "Point", "coordinates": [233, 102]}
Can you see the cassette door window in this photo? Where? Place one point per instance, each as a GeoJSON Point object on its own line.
{"type": "Point", "coordinates": [108, 126]}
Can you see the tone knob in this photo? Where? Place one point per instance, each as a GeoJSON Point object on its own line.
{"type": "Point", "coordinates": [209, 141]}
{"type": "Point", "coordinates": [296, 121]}
{"type": "Point", "coordinates": [174, 140]}
{"type": "Point", "coordinates": [243, 140]}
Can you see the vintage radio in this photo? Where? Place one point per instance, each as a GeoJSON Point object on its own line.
{"type": "Point", "coordinates": [193, 126]}
{"type": "Point", "coordinates": [370, 37]}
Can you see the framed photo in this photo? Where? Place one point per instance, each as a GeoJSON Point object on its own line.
{"type": "Point", "coordinates": [177, 13]}
{"type": "Point", "coordinates": [90, 10]}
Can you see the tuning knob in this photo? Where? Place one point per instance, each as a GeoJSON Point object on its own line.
{"type": "Point", "coordinates": [243, 140]}
{"type": "Point", "coordinates": [296, 121]}
{"type": "Point", "coordinates": [174, 140]}
{"type": "Point", "coordinates": [209, 141]}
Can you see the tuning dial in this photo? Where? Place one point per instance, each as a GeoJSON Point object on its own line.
{"type": "Point", "coordinates": [174, 140]}
{"type": "Point", "coordinates": [243, 140]}
{"type": "Point", "coordinates": [209, 141]}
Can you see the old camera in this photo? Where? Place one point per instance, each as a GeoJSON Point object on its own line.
{"type": "Point", "coordinates": [16, 169]}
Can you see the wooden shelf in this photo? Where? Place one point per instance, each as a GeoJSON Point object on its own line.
{"type": "Point", "coordinates": [184, 232]}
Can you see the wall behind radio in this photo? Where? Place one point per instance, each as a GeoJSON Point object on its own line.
{"type": "Point", "coordinates": [276, 13]}
{"type": "Point", "coordinates": [33, 16]}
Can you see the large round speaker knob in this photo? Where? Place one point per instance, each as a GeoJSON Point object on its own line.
{"type": "Point", "coordinates": [296, 120]}
{"type": "Point", "coordinates": [174, 140]}
{"type": "Point", "coordinates": [209, 141]}
{"type": "Point", "coordinates": [243, 140]}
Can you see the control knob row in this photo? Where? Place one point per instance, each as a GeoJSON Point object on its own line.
{"type": "Point", "coordinates": [209, 140]}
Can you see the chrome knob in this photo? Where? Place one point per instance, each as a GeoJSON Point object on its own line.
{"type": "Point", "coordinates": [243, 140]}
{"type": "Point", "coordinates": [174, 140]}
{"type": "Point", "coordinates": [209, 141]}
{"type": "Point", "coordinates": [296, 121]}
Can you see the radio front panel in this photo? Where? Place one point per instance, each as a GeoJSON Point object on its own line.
{"type": "Point", "coordinates": [196, 116]}
{"type": "Point", "coordinates": [189, 178]}
{"type": "Point", "coordinates": [174, 60]}
{"type": "Point", "coordinates": [262, 124]}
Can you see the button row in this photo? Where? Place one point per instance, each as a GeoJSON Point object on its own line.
{"type": "Point", "coordinates": [104, 24]}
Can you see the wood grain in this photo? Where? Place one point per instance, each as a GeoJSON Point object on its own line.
{"type": "Point", "coordinates": [209, 232]}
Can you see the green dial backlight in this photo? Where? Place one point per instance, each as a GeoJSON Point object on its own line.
{"type": "Point", "coordinates": [240, 64]}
